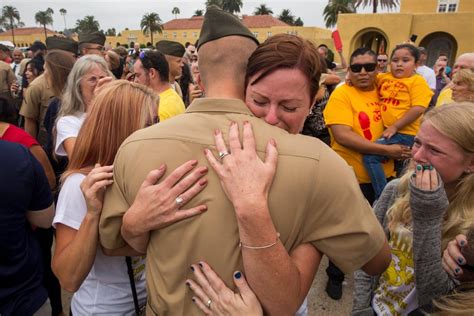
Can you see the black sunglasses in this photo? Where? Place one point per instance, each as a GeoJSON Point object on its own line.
{"type": "Point", "coordinates": [358, 67]}
{"type": "Point", "coordinates": [382, 60]}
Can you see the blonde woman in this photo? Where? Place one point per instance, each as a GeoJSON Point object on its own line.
{"type": "Point", "coordinates": [463, 86]}
{"type": "Point", "coordinates": [101, 284]}
{"type": "Point", "coordinates": [434, 198]}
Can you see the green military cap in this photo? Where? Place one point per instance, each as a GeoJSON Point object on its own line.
{"type": "Point", "coordinates": [218, 23]}
{"type": "Point", "coordinates": [94, 38]}
{"type": "Point", "coordinates": [62, 43]}
{"type": "Point", "coordinates": [170, 48]}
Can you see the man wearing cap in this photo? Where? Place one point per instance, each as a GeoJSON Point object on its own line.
{"type": "Point", "coordinates": [151, 69]}
{"type": "Point", "coordinates": [214, 235]}
{"type": "Point", "coordinates": [39, 93]}
{"type": "Point", "coordinates": [38, 48]}
{"type": "Point", "coordinates": [174, 53]}
{"type": "Point", "coordinates": [7, 77]}
{"type": "Point", "coordinates": [91, 43]}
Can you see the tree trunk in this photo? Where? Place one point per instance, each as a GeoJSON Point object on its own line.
{"type": "Point", "coordinates": [45, 34]}
{"type": "Point", "coordinates": [65, 27]}
{"type": "Point", "coordinates": [374, 3]}
{"type": "Point", "coordinates": [13, 32]}
{"type": "Point", "coordinates": [151, 36]}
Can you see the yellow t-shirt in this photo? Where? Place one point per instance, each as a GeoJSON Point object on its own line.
{"type": "Point", "coordinates": [170, 105]}
{"type": "Point", "coordinates": [361, 111]}
{"type": "Point", "coordinates": [445, 97]}
{"type": "Point", "coordinates": [397, 96]}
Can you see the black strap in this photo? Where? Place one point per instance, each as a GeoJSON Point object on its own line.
{"type": "Point", "coordinates": [128, 260]}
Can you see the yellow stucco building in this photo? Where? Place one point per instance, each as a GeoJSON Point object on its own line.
{"type": "Point", "coordinates": [25, 36]}
{"type": "Point", "coordinates": [441, 26]}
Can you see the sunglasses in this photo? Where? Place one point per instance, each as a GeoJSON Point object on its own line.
{"type": "Point", "coordinates": [358, 67]}
{"type": "Point", "coordinates": [382, 60]}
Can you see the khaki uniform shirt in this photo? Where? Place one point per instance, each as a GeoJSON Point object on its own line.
{"type": "Point", "coordinates": [315, 198]}
{"type": "Point", "coordinates": [35, 104]}
{"type": "Point", "coordinates": [6, 79]}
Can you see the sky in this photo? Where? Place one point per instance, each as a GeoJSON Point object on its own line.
{"type": "Point", "coordinates": [120, 14]}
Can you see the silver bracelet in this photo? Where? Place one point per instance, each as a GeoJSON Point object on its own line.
{"type": "Point", "coordinates": [241, 245]}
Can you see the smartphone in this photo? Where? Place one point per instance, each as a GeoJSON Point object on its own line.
{"type": "Point", "coordinates": [413, 38]}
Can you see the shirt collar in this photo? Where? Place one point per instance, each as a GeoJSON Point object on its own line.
{"type": "Point", "coordinates": [219, 105]}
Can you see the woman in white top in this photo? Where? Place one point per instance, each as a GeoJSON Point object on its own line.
{"type": "Point", "coordinates": [76, 99]}
{"type": "Point", "coordinates": [101, 283]}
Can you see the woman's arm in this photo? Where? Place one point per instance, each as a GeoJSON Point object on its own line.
{"type": "Point", "coordinates": [68, 145]}
{"type": "Point", "coordinates": [156, 205]}
{"type": "Point", "coordinates": [428, 203]}
{"type": "Point", "coordinates": [41, 156]}
{"type": "Point", "coordinates": [75, 250]}
{"type": "Point", "coordinates": [270, 270]}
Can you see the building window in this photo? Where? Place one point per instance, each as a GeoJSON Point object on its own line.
{"type": "Point", "coordinates": [195, 34]}
{"type": "Point", "coordinates": [174, 34]}
{"type": "Point", "coordinates": [269, 34]}
{"type": "Point", "coordinates": [447, 5]}
{"type": "Point", "coordinates": [165, 35]}
{"type": "Point", "coordinates": [255, 34]}
{"type": "Point", "coordinates": [185, 34]}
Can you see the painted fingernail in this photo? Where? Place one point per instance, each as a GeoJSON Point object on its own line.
{"type": "Point", "coordinates": [203, 182]}
{"type": "Point", "coordinates": [201, 265]}
{"type": "Point", "coordinates": [273, 142]}
{"type": "Point", "coordinates": [431, 167]}
{"type": "Point", "coordinates": [188, 283]}
{"type": "Point", "coordinates": [419, 167]}
{"type": "Point", "coordinates": [246, 122]}
{"type": "Point", "coordinates": [462, 243]}
{"type": "Point", "coordinates": [461, 260]}
{"type": "Point", "coordinates": [193, 299]}
{"type": "Point", "coordinates": [237, 275]}
{"type": "Point", "coordinates": [413, 175]}
{"type": "Point", "coordinates": [457, 270]}
{"type": "Point", "coordinates": [192, 268]}
{"type": "Point", "coordinates": [203, 171]}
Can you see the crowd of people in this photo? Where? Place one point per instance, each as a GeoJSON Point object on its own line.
{"type": "Point", "coordinates": [211, 178]}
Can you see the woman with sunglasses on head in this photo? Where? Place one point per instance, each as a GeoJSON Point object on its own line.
{"type": "Point", "coordinates": [404, 97]}
{"type": "Point", "coordinates": [76, 100]}
{"type": "Point", "coordinates": [100, 283]}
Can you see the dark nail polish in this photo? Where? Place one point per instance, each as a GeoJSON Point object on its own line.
{"type": "Point", "coordinates": [457, 270]}
{"type": "Point", "coordinates": [414, 174]}
{"type": "Point", "coordinates": [193, 299]}
{"type": "Point", "coordinates": [237, 275]}
{"type": "Point", "coordinates": [462, 243]}
{"type": "Point", "coordinates": [431, 167]}
{"type": "Point", "coordinates": [192, 268]}
{"type": "Point", "coordinates": [419, 167]}
{"type": "Point", "coordinates": [201, 265]}
{"type": "Point", "coordinates": [461, 260]}
{"type": "Point", "coordinates": [188, 284]}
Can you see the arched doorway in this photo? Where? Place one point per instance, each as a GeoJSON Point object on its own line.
{"type": "Point", "coordinates": [437, 43]}
{"type": "Point", "coordinates": [372, 38]}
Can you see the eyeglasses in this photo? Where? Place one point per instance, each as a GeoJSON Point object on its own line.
{"type": "Point", "coordinates": [382, 60]}
{"type": "Point", "coordinates": [358, 67]}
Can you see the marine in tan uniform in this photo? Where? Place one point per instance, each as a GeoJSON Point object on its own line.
{"type": "Point", "coordinates": [39, 93]}
{"type": "Point", "coordinates": [7, 77]}
{"type": "Point", "coordinates": [92, 43]}
{"type": "Point", "coordinates": [315, 198]}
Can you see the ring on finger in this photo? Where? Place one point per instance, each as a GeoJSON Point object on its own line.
{"type": "Point", "coordinates": [179, 201]}
{"type": "Point", "coordinates": [208, 304]}
{"type": "Point", "coordinates": [222, 154]}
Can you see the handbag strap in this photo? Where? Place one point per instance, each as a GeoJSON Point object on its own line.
{"type": "Point", "coordinates": [128, 260]}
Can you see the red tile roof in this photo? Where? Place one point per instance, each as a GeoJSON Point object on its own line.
{"type": "Point", "coordinates": [28, 31]}
{"type": "Point", "coordinates": [251, 21]}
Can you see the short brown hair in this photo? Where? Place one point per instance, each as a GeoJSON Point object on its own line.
{"type": "Point", "coordinates": [286, 51]}
{"type": "Point", "coordinates": [59, 64]}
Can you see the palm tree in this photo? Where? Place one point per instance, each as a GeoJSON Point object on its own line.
{"type": "Point", "coordinates": [87, 25]}
{"type": "Point", "coordinates": [298, 22]}
{"type": "Point", "coordinates": [198, 13]}
{"type": "Point", "coordinates": [214, 2]}
{"type": "Point", "coordinates": [175, 11]}
{"type": "Point", "coordinates": [263, 10]}
{"type": "Point", "coordinates": [63, 12]}
{"type": "Point", "coordinates": [44, 18]}
{"type": "Point", "coordinates": [334, 7]}
{"type": "Point", "coordinates": [10, 14]}
{"type": "Point", "coordinates": [389, 4]}
{"type": "Point", "coordinates": [287, 17]}
{"type": "Point", "coordinates": [232, 6]}
{"type": "Point", "coordinates": [150, 24]}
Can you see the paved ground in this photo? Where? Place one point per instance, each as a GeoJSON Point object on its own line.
{"type": "Point", "coordinates": [319, 303]}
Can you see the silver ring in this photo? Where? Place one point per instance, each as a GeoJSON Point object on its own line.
{"type": "Point", "coordinates": [222, 154]}
{"type": "Point", "coordinates": [179, 200]}
{"type": "Point", "coordinates": [208, 304]}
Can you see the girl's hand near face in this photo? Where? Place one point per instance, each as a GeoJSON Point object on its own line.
{"type": "Point", "coordinates": [425, 178]}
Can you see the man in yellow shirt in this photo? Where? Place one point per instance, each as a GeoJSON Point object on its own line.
{"type": "Point", "coordinates": [152, 70]}
{"type": "Point", "coordinates": [465, 61]}
{"type": "Point", "coordinates": [174, 53]}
